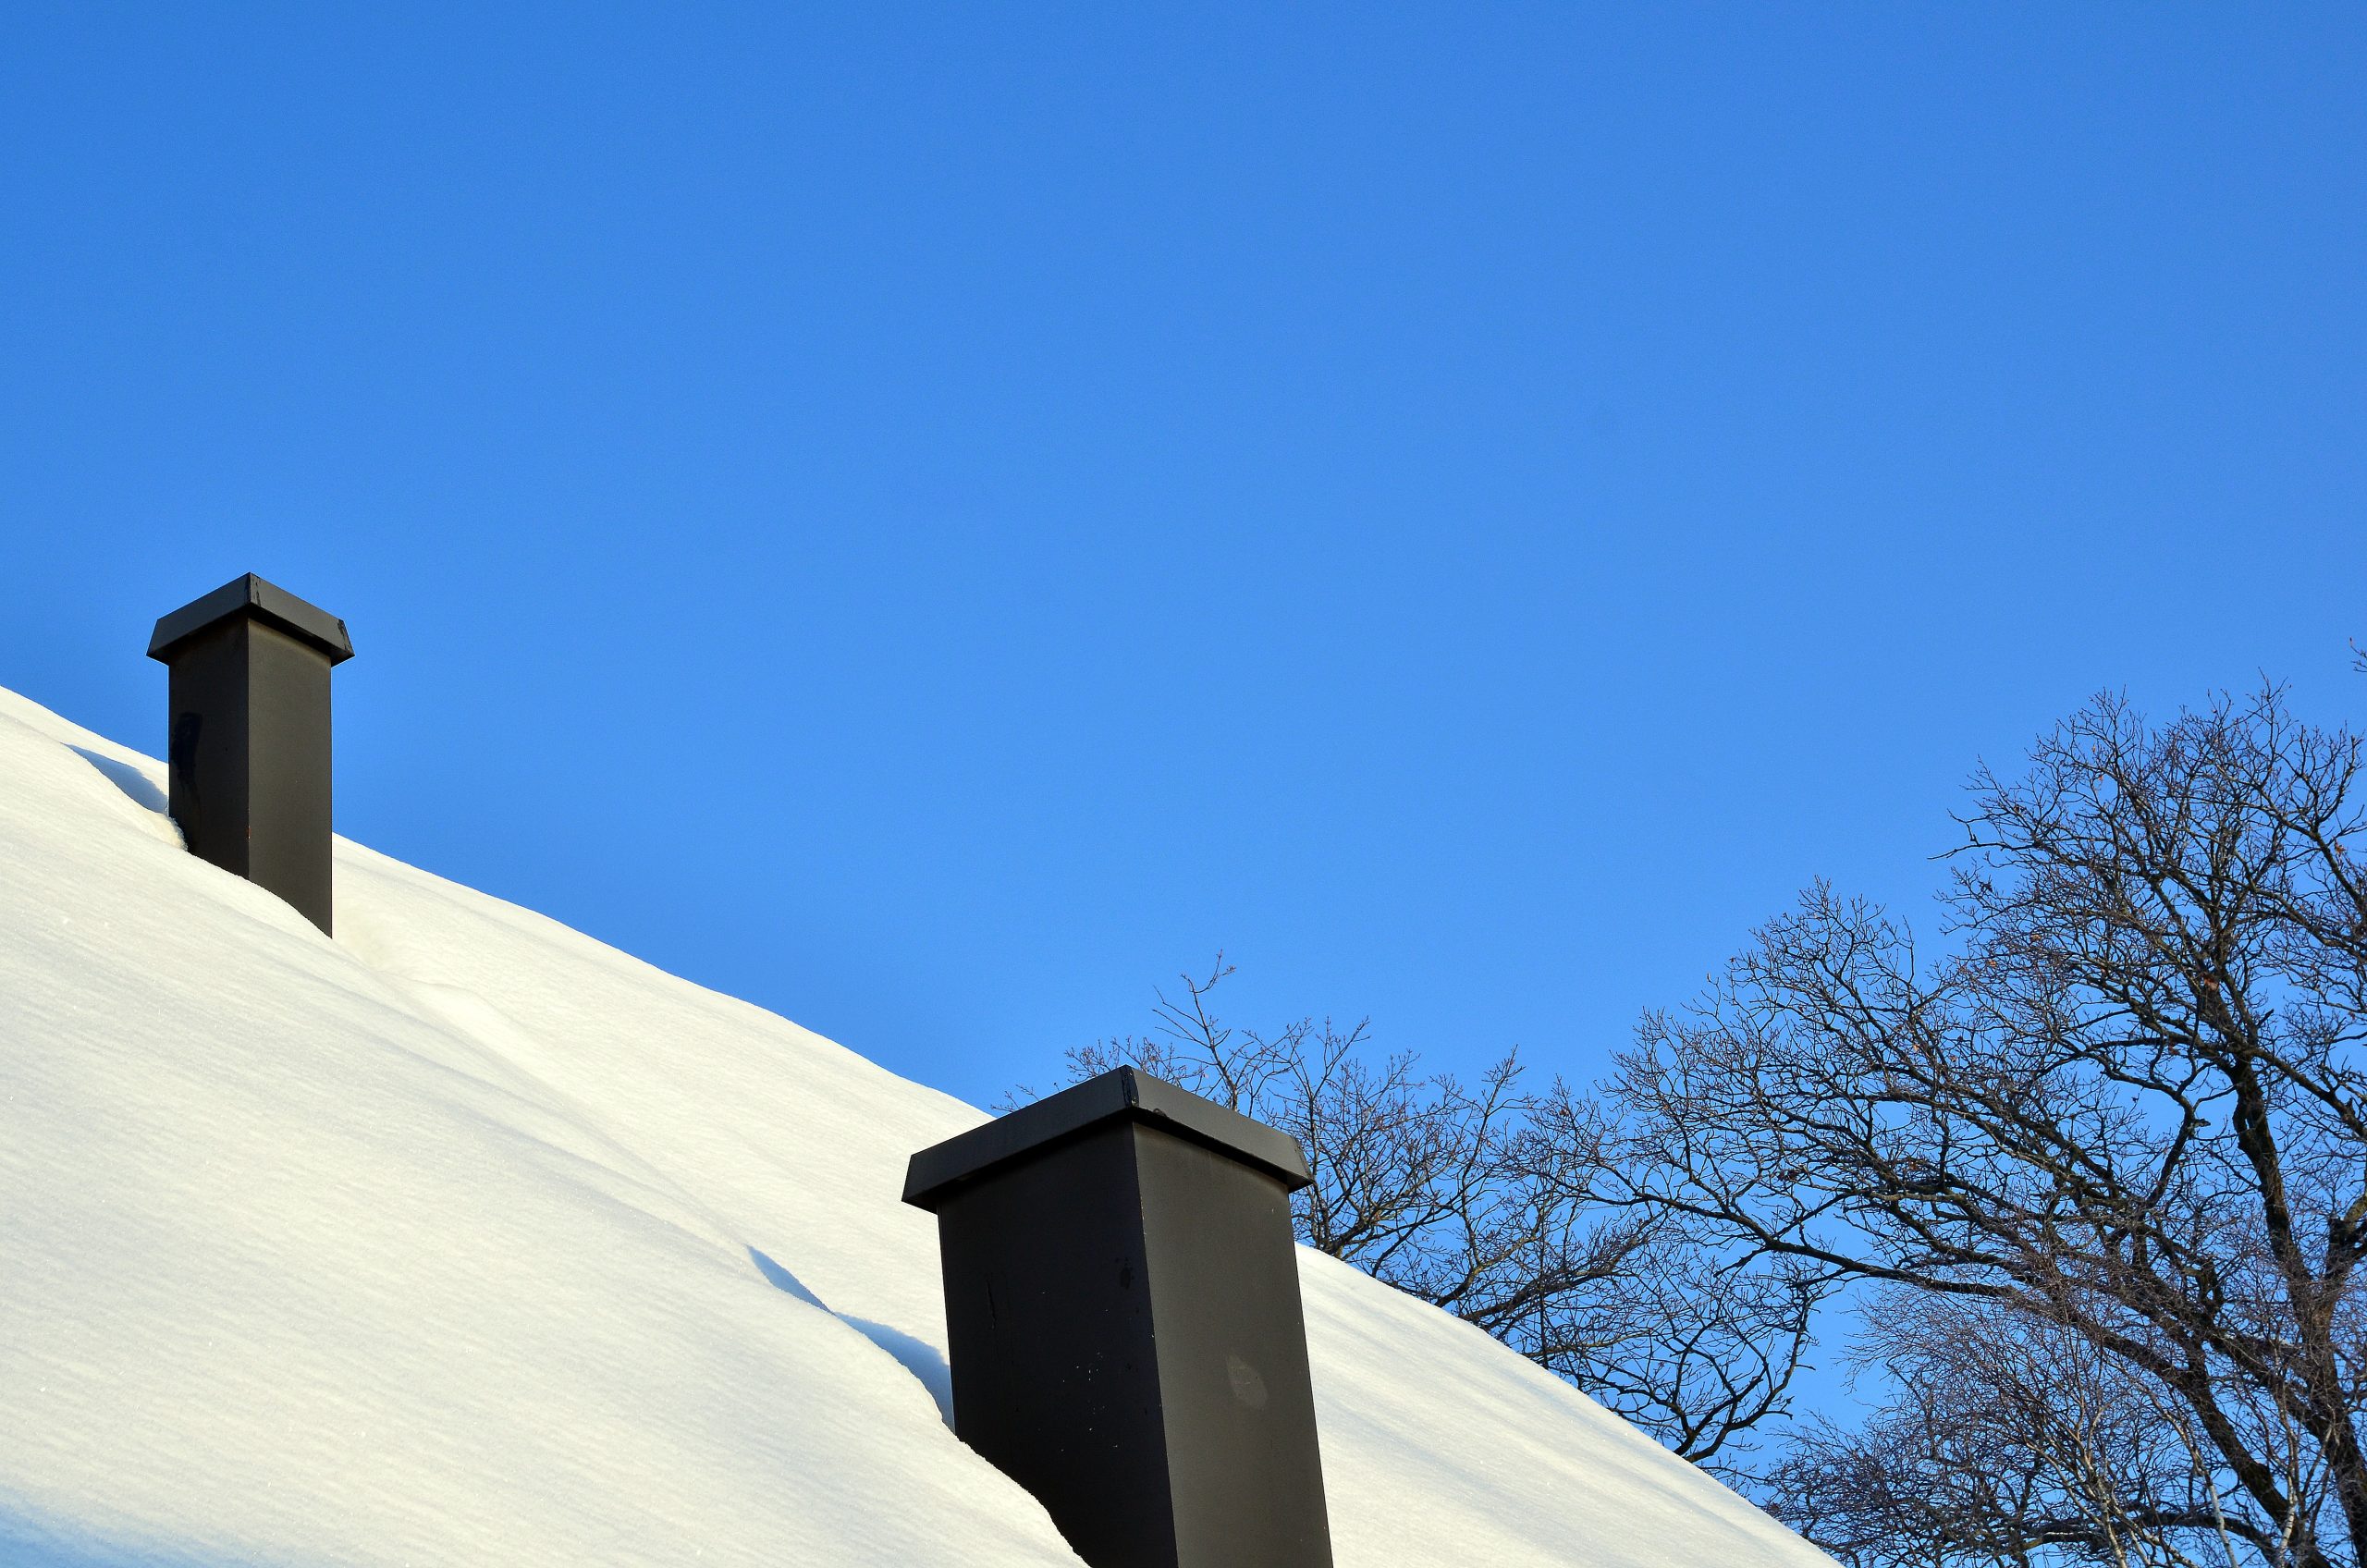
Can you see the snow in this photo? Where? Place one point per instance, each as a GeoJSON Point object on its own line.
{"type": "Point", "coordinates": [465, 1239]}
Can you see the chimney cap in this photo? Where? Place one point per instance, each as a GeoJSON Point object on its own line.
{"type": "Point", "coordinates": [265, 602]}
{"type": "Point", "coordinates": [1123, 1092]}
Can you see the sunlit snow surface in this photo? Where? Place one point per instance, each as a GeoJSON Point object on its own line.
{"type": "Point", "coordinates": [466, 1240]}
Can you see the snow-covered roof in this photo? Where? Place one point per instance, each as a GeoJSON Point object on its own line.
{"type": "Point", "coordinates": [466, 1239]}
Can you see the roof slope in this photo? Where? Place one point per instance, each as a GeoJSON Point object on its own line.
{"type": "Point", "coordinates": [464, 1238]}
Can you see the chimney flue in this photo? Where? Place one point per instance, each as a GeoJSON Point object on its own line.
{"type": "Point", "coordinates": [248, 742]}
{"type": "Point", "coordinates": [1127, 1341]}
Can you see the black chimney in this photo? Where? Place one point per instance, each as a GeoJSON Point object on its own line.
{"type": "Point", "coordinates": [249, 745]}
{"type": "Point", "coordinates": [1122, 1301]}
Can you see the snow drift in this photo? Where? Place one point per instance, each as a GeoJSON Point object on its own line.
{"type": "Point", "coordinates": [464, 1238]}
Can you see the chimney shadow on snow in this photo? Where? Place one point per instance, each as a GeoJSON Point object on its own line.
{"type": "Point", "coordinates": [921, 1359]}
{"type": "Point", "coordinates": [142, 789]}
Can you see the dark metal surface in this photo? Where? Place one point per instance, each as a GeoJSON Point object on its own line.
{"type": "Point", "coordinates": [1127, 1339]}
{"type": "Point", "coordinates": [1124, 1093]}
{"type": "Point", "coordinates": [248, 742]}
{"type": "Point", "coordinates": [252, 597]}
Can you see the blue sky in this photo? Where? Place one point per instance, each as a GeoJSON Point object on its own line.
{"type": "Point", "coordinates": [933, 520]}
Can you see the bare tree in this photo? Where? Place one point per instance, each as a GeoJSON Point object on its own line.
{"type": "Point", "coordinates": [2004, 1436]}
{"type": "Point", "coordinates": [2123, 1112]}
{"type": "Point", "coordinates": [1460, 1195]}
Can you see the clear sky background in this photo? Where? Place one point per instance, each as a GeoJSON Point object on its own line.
{"type": "Point", "coordinates": [934, 519]}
